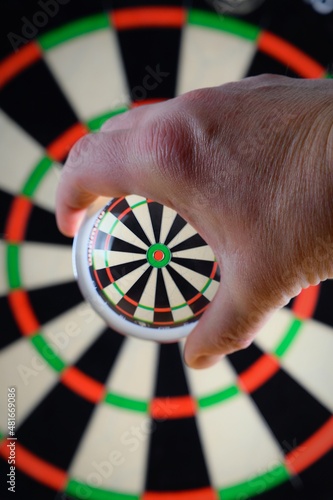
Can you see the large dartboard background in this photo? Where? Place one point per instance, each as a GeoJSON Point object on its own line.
{"type": "Point", "coordinates": [100, 416]}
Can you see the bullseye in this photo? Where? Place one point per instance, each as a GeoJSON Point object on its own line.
{"type": "Point", "coordinates": [158, 255]}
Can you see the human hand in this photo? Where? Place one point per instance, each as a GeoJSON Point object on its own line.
{"type": "Point", "coordinates": [249, 165]}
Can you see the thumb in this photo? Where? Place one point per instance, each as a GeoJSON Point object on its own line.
{"type": "Point", "coordinates": [229, 324]}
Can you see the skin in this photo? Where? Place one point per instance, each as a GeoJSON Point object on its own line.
{"type": "Point", "coordinates": [250, 166]}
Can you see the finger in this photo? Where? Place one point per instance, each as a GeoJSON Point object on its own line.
{"type": "Point", "coordinates": [105, 164]}
{"type": "Point", "coordinates": [227, 326]}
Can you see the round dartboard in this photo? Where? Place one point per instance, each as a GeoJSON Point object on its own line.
{"type": "Point", "coordinates": [103, 416]}
{"type": "Point", "coordinates": [144, 269]}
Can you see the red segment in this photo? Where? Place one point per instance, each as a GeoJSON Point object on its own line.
{"type": "Point", "coordinates": [15, 63]}
{"type": "Point", "coordinates": [200, 494]}
{"type": "Point", "coordinates": [124, 213]}
{"type": "Point", "coordinates": [148, 17]}
{"type": "Point", "coordinates": [305, 303]}
{"type": "Point", "coordinates": [145, 102]}
{"type": "Point", "coordinates": [212, 274]}
{"type": "Point", "coordinates": [158, 255]}
{"type": "Point", "coordinates": [35, 467]}
{"type": "Point", "coordinates": [59, 148]}
{"type": "Point", "coordinates": [173, 408]}
{"type": "Point", "coordinates": [23, 313]}
{"type": "Point", "coordinates": [261, 371]}
{"type": "Point", "coordinates": [17, 219]}
{"type": "Point", "coordinates": [312, 449]}
{"type": "Point", "coordinates": [290, 55]}
{"type": "Point", "coordinates": [82, 384]}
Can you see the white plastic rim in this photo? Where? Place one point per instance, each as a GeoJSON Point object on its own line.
{"type": "Point", "coordinates": [163, 334]}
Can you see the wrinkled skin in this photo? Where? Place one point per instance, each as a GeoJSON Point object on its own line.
{"type": "Point", "coordinates": [250, 166]}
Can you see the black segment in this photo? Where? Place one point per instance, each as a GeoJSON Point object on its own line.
{"type": "Point", "coordinates": [9, 328]}
{"type": "Point", "coordinates": [42, 228]}
{"type": "Point", "coordinates": [50, 302]}
{"type": "Point", "coordinates": [98, 359]}
{"type": "Point", "coordinates": [188, 291]}
{"type": "Point", "coordinates": [292, 414]}
{"type": "Point", "coordinates": [177, 226]}
{"type": "Point", "coordinates": [102, 276]}
{"type": "Point", "coordinates": [156, 211]}
{"type": "Point", "coordinates": [324, 309]}
{"type": "Point", "coordinates": [127, 306]}
{"type": "Point", "coordinates": [192, 242]}
{"type": "Point", "coordinates": [119, 4]}
{"type": "Point", "coordinates": [204, 267]}
{"type": "Point", "coordinates": [23, 20]}
{"type": "Point", "coordinates": [262, 63]}
{"type": "Point", "coordinates": [118, 245]}
{"type": "Point", "coordinates": [242, 360]}
{"type": "Point", "coordinates": [54, 429]}
{"type": "Point", "coordinates": [176, 460]}
{"type": "Point", "coordinates": [122, 269]}
{"type": "Point", "coordinates": [150, 58]}
{"type": "Point", "coordinates": [23, 485]}
{"type": "Point", "coordinates": [34, 101]}
{"type": "Point", "coordinates": [119, 207]}
{"type": "Point", "coordinates": [161, 300]}
{"type": "Point", "coordinates": [136, 291]}
{"type": "Point", "coordinates": [171, 378]}
{"type": "Point", "coordinates": [130, 221]}
{"type": "Point", "coordinates": [6, 200]}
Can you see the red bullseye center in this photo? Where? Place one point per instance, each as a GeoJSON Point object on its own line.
{"type": "Point", "coordinates": [158, 255]}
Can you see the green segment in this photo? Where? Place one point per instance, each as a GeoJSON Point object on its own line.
{"type": "Point", "coordinates": [96, 123]}
{"type": "Point", "coordinates": [82, 491]}
{"type": "Point", "coordinates": [48, 353]}
{"type": "Point", "coordinates": [13, 266]}
{"type": "Point", "coordinates": [36, 176]}
{"type": "Point", "coordinates": [224, 23]}
{"type": "Point", "coordinates": [288, 338]}
{"type": "Point", "coordinates": [158, 247]}
{"type": "Point", "coordinates": [257, 485]}
{"type": "Point", "coordinates": [218, 397]}
{"type": "Point", "coordinates": [129, 404]}
{"type": "Point", "coordinates": [1, 436]}
{"type": "Point", "coordinates": [72, 30]}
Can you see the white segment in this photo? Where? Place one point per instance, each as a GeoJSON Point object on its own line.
{"type": "Point", "coordinates": [113, 450]}
{"type": "Point", "coordinates": [19, 155]}
{"type": "Point", "coordinates": [175, 298]}
{"type": "Point", "coordinates": [133, 375]}
{"type": "Point", "coordinates": [90, 73]}
{"type": "Point", "coordinates": [144, 314]}
{"type": "Point", "coordinates": [198, 253]}
{"type": "Point", "coordinates": [127, 281]}
{"type": "Point", "coordinates": [197, 280]}
{"type": "Point", "coordinates": [237, 441]}
{"type": "Point", "coordinates": [143, 216]}
{"type": "Point", "coordinates": [120, 231]}
{"type": "Point", "coordinates": [168, 216]}
{"type": "Point", "coordinates": [210, 292]}
{"type": "Point", "coordinates": [186, 232]}
{"type": "Point", "coordinates": [148, 296]}
{"type": "Point", "coordinates": [45, 193]}
{"type": "Point", "coordinates": [133, 199]}
{"type": "Point", "coordinates": [273, 332]}
{"type": "Point", "coordinates": [113, 294]}
{"type": "Point", "coordinates": [309, 361]}
{"type": "Point", "coordinates": [23, 367]}
{"type": "Point", "coordinates": [114, 258]}
{"type": "Point", "coordinates": [3, 268]}
{"type": "Point", "coordinates": [71, 333]}
{"type": "Point", "coordinates": [44, 265]}
{"type": "Point", "coordinates": [211, 57]}
{"type": "Point", "coordinates": [211, 380]}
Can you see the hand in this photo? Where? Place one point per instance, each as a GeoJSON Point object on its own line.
{"type": "Point", "coordinates": [250, 166]}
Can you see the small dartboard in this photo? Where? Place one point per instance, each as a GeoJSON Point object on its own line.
{"type": "Point", "coordinates": [145, 269]}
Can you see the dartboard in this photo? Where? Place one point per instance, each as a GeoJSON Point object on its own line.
{"type": "Point", "coordinates": [100, 415]}
{"type": "Point", "coordinates": [144, 268]}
